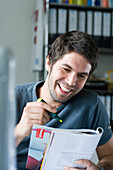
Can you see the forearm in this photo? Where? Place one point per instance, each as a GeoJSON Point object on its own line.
{"type": "Point", "coordinates": [106, 162]}
{"type": "Point", "coordinates": [18, 135]}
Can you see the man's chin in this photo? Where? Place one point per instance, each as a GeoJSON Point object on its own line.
{"type": "Point", "coordinates": [59, 100]}
{"type": "Point", "coordinates": [63, 100]}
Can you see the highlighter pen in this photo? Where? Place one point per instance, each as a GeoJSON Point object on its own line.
{"type": "Point", "coordinates": [52, 115]}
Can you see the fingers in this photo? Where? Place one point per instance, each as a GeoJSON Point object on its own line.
{"type": "Point", "coordinates": [37, 114]}
{"type": "Point", "coordinates": [38, 111]}
{"type": "Point", "coordinates": [86, 163]}
{"type": "Point", "coordinates": [37, 105]}
{"type": "Point", "coordinates": [34, 113]}
{"type": "Point", "coordinates": [69, 168]}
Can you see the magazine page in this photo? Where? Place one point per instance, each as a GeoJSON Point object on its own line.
{"type": "Point", "coordinates": [38, 142]}
{"type": "Point", "coordinates": [64, 148]}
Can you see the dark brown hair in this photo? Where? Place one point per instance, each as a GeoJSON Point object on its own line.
{"type": "Point", "coordinates": [74, 41]}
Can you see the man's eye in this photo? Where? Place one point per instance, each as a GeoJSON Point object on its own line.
{"type": "Point", "coordinates": [66, 69]}
{"type": "Point", "coordinates": [82, 76]}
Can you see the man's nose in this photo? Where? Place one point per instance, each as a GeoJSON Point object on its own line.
{"type": "Point", "coordinates": [71, 79]}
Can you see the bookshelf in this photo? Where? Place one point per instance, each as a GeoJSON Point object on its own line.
{"type": "Point", "coordinates": [104, 40]}
{"type": "Point", "coordinates": [106, 96]}
{"type": "Point", "coordinates": [106, 21]}
{"type": "Point", "coordinates": [59, 13]}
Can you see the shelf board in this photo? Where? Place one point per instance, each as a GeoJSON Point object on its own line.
{"type": "Point", "coordinates": [105, 51]}
{"type": "Point", "coordinates": [83, 7]}
{"type": "Point", "coordinates": [102, 51]}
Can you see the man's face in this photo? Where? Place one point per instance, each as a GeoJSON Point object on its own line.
{"type": "Point", "coordinates": [67, 76]}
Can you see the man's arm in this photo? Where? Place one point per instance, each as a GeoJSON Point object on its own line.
{"type": "Point", "coordinates": [105, 155]}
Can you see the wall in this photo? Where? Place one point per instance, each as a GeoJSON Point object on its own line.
{"type": "Point", "coordinates": [16, 33]}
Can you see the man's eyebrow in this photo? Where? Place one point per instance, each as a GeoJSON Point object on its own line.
{"type": "Point", "coordinates": [84, 73]}
{"type": "Point", "coordinates": [66, 65]}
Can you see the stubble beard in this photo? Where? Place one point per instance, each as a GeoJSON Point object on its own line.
{"type": "Point", "coordinates": [52, 91]}
{"type": "Point", "coordinates": [54, 95]}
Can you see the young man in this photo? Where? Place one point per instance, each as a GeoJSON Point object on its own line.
{"type": "Point", "coordinates": [72, 58]}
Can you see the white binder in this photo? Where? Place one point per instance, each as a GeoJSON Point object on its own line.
{"type": "Point", "coordinates": [106, 24]}
{"type": "Point", "coordinates": [72, 20]}
{"type": "Point", "coordinates": [52, 21]}
{"type": "Point", "coordinates": [90, 22]}
{"type": "Point", "coordinates": [62, 20]}
{"type": "Point", "coordinates": [97, 23]}
{"type": "Point", "coordinates": [82, 21]}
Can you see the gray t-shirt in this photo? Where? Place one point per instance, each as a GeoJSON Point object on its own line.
{"type": "Point", "coordinates": [84, 110]}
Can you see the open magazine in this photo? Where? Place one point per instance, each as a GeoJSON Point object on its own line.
{"type": "Point", "coordinates": [52, 148]}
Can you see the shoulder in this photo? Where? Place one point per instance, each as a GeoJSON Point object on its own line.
{"type": "Point", "coordinates": [87, 96]}
{"type": "Point", "coordinates": [25, 91]}
{"type": "Point", "coordinates": [87, 92]}
{"type": "Point", "coordinates": [28, 86]}
{"type": "Point", "coordinates": [22, 87]}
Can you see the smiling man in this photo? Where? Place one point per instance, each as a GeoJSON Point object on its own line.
{"type": "Point", "coordinates": [67, 77]}
{"type": "Point", "coordinates": [71, 59]}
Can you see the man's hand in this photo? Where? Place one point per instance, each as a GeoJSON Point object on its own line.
{"type": "Point", "coordinates": [88, 164]}
{"type": "Point", "coordinates": [33, 113]}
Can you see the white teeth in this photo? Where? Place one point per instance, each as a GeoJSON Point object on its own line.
{"type": "Point", "coordinates": [64, 89]}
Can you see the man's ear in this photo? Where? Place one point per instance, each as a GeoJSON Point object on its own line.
{"type": "Point", "coordinates": [47, 66]}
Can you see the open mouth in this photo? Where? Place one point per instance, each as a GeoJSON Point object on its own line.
{"type": "Point", "coordinates": [64, 89]}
